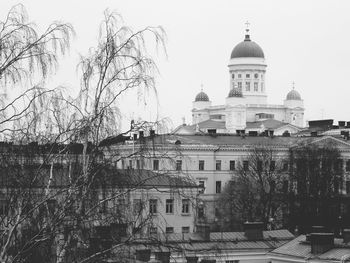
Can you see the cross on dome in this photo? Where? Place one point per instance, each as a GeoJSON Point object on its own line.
{"type": "Point", "coordinates": [247, 25]}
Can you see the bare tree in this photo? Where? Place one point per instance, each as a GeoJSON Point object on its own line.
{"type": "Point", "coordinates": [256, 190]}
{"type": "Point", "coordinates": [25, 52]}
{"type": "Point", "coordinates": [316, 177]}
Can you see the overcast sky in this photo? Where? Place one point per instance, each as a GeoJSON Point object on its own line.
{"type": "Point", "coordinates": [307, 42]}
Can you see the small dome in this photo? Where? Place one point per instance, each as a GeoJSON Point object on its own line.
{"type": "Point", "coordinates": [235, 93]}
{"type": "Point", "coordinates": [293, 95]}
{"type": "Point", "coordinates": [247, 48]}
{"type": "Point", "coordinates": [202, 96]}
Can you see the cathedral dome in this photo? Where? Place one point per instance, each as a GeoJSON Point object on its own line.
{"type": "Point", "coordinates": [202, 96]}
{"type": "Point", "coordinates": [247, 48]}
{"type": "Point", "coordinates": [235, 93]}
{"type": "Point", "coordinates": [293, 95]}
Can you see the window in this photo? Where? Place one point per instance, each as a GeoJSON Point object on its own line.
{"type": "Point", "coordinates": [185, 206]}
{"type": "Point", "coordinates": [201, 165]}
{"type": "Point", "coordinates": [185, 229]}
{"type": "Point", "coordinates": [201, 184]}
{"type": "Point", "coordinates": [217, 212]}
{"type": "Point", "coordinates": [138, 164]}
{"type": "Point", "coordinates": [232, 165]}
{"type": "Point", "coordinates": [239, 76]}
{"type": "Point", "coordinates": [255, 86]}
{"type": "Point", "coordinates": [231, 261]}
{"type": "Point", "coordinates": [348, 166]}
{"type": "Point", "coordinates": [247, 76]}
{"type": "Point", "coordinates": [155, 165]}
{"type": "Point", "coordinates": [130, 164]}
{"type": "Point", "coordinates": [340, 165]}
{"type": "Point", "coordinates": [285, 166]}
{"type": "Point", "coordinates": [259, 166]}
{"type": "Point", "coordinates": [3, 207]}
{"type": "Point", "coordinates": [137, 206]}
{"type": "Point", "coordinates": [153, 206]}
{"type": "Point", "coordinates": [247, 86]}
{"type": "Point", "coordinates": [153, 230]}
{"type": "Point", "coordinates": [256, 75]}
{"type": "Point", "coordinates": [348, 187]}
{"type": "Point", "coordinates": [169, 206]}
{"type": "Point", "coordinates": [218, 165]}
{"type": "Point", "coordinates": [123, 164]}
{"type": "Point", "coordinates": [262, 86]}
{"type": "Point", "coordinates": [245, 165]}
{"type": "Point", "coordinates": [272, 166]}
{"type": "Point", "coordinates": [240, 86]}
{"type": "Point", "coordinates": [218, 187]}
{"type": "Point", "coordinates": [285, 186]}
{"type": "Point", "coordinates": [52, 205]}
{"type": "Point", "coordinates": [178, 165]}
{"type": "Point", "coordinates": [233, 76]}
{"type": "Point", "coordinates": [212, 131]}
{"type": "Point", "coordinates": [169, 230]}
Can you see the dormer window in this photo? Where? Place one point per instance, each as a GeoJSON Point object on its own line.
{"type": "Point", "coordinates": [247, 76]}
{"type": "Point", "coordinates": [256, 75]}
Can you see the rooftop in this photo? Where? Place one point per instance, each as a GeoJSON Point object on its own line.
{"type": "Point", "coordinates": [301, 249]}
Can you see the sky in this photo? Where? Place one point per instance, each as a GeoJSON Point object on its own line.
{"type": "Point", "coordinates": [306, 42]}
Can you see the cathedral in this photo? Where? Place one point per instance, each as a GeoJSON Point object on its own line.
{"type": "Point", "coordinates": [246, 109]}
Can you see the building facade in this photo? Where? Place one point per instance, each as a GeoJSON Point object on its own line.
{"type": "Point", "coordinates": [213, 161]}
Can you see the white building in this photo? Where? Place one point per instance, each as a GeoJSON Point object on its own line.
{"type": "Point", "coordinates": [246, 103]}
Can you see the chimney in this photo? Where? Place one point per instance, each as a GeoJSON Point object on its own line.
{"type": "Point", "coordinates": [253, 230]}
{"type": "Point", "coordinates": [163, 257]}
{"type": "Point", "coordinates": [346, 235]}
{"type": "Point", "coordinates": [192, 259]}
{"type": "Point", "coordinates": [253, 133]}
{"type": "Point", "coordinates": [321, 242]}
{"type": "Point", "coordinates": [307, 238]}
{"type": "Point", "coordinates": [286, 134]}
{"type": "Point", "coordinates": [318, 229]}
{"type": "Point", "coordinates": [341, 123]}
{"type": "Point", "coordinates": [314, 134]}
{"type": "Point", "coordinates": [143, 255]}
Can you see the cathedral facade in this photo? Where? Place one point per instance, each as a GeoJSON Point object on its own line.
{"type": "Point", "coordinates": [246, 108]}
